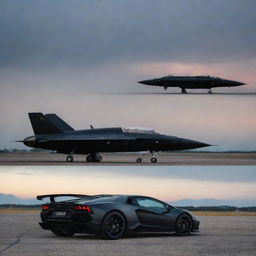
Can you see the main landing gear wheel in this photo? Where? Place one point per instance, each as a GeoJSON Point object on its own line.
{"type": "Point", "coordinates": [153, 160]}
{"type": "Point", "coordinates": [183, 91]}
{"type": "Point", "coordinates": [139, 160]}
{"type": "Point", "coordinates": [94, 158]}
{"type": "Point", "coordinates": [62, 233]}
{"type": "Point", "coordinates": [69, 159]}
{"type": "Point", "coordinates": [113, 225]}
{"type": "Point", "coordinates": [210, 91]}
{"type": "Point", "coordinates": [183, 225]}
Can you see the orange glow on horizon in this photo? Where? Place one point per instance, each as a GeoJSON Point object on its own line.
{"type": "Point", "coordinates": [230, 70]}
{"type": "Point", "coordinates": [72, 180]}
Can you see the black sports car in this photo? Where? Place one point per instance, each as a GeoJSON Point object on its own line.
{"type": "Point", "coordinates": [111, 216]}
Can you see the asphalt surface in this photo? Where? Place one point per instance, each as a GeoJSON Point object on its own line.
{"type": "Point", "coordinates": [21, 235]}
{"type": "Point", "coordinates": [182, 158]}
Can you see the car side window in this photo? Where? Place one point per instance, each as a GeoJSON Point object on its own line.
{"type": "Point", "coordinates": [151, 204]}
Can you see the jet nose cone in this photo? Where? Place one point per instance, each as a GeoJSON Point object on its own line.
{"type": "Point", "coordinates": [190, 144]}
{"type": "Point", "coordinates": [236, 83]}
{"type": "Point", "coordinates": [144, 82]}
{"type": "Point", "coordinates": [240, 83]}
{"type": "Point", "coordinates": [149, 82]}
{"type": "Point", "coordinates": [198, 144]}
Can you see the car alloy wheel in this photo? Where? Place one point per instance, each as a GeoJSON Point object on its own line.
{"type": "Point", "coordinates": [183, 225]}
{"type": "Point", "coordinates": [113, 226]}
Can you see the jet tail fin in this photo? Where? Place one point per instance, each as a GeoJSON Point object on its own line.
{"type": "Point", "coordinates": [41, 125]}
{"type": "Point", "coordinates": [59, 123]}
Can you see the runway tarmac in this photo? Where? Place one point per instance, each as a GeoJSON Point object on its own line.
{"type": "Point", "coordinates": [181, 158]}
{"type": "Point", "coordinates": [21, 235]}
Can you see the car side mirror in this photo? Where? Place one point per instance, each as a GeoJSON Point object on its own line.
{"type": "Point", "coordinates": [168, 208]}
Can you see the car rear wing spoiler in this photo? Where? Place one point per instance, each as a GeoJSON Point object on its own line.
{"type": "Point", "coordinates": [53, 196]}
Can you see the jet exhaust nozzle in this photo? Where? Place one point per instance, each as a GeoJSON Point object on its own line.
{"type": "Point", "coordinates": [30, 141]}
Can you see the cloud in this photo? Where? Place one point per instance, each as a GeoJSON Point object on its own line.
{"type": "Point", "coordinates": [233, 70]}
{"type": "Point", "coordinates": [54, 53]}
{"type": "Point", "coordinates": [88, 33]}
{"type": "Point", "coordinates": [167, 183]}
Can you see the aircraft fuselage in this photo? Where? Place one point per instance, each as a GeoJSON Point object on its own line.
{"type": "Point", "coordinates": [109, 140]}
{"type": "Point", "coordinates": [191, 82]}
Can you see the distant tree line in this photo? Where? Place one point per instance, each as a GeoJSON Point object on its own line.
{"type": "Point", "coordinates": [220, 208]}
{"type": "Point", "coordinates": [19, 206]}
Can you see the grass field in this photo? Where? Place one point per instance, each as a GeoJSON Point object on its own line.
{"type": "Point", "coordinates": [19, 210]}
{"type": "Point", "coordinates": [220, 213]}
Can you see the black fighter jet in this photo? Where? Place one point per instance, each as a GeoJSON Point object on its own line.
{"type": "Point", "coordinates": [191, 82]}
{"type": "Point", "coordinates": [53, 133]}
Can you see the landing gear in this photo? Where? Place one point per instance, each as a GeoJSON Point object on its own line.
{"type": "Point", "coordinates": [210, 91]}
{"type": "Point", "coordinates": [139, 160]}
{"type": "Point", "coordinates": [183, 91]}
{"type": "Point", "coordinates": [96, 158]}
{"type": "Point", "coordinates": [165, 87]}
{"type": "Point", "coordinates": [69, 159]}
{"type": "Point", "coordinates": [154, 158]}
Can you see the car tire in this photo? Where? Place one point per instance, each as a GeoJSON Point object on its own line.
{"type": "Point", "coordinates": [113, 226]}
{"type": "Point", "coordinates": [62, 233]}
{"type": "Point", "coordinates": [184, 225]}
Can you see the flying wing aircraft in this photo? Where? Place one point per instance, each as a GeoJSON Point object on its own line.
{"type": "Point", "coordinates": [52, 133]}
{"type": "Point", "coordinates": [191, 82]}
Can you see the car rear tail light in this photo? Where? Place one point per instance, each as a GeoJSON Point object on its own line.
{"type": "Point", "coordinates": [45, 207]}
{"type": "Point", "coordinates": [83, 208]}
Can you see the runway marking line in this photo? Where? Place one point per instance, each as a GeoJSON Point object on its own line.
{"type": "Point", "coordinates": [12, 244]}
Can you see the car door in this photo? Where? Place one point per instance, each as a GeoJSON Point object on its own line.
{"type": "Point", "coordinates": [152, 213]}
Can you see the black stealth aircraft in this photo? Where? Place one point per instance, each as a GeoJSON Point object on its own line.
{"type": "Point", "coordinates": [52, 133]}
{"type": "Point", "coordinates": [191, 82]}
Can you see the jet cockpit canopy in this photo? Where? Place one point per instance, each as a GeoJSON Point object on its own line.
{"type": "Point", "coordinates": [140, 130]}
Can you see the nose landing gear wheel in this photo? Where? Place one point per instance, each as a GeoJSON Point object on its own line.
{"type": "Point", "coordinates": [69, 159]}
{"type": "Point", "coordinates": [89, 158]}
{"type": "Point", "coordinates": [139, 160]}
{"type": "Point", "coordinates": [183, 91]}
{"type": "Point", "coordinates": [94, 158]}
{"type": "Point", "coordinates": [153, 160]}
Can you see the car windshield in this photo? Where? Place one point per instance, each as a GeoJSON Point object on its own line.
{"type": "Point", "coordinates": [140, 130]}
{"type": "Point", "coordinates": [151, 204]}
